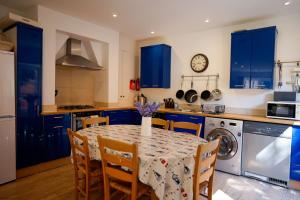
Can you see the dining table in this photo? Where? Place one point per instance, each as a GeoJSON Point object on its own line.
{"type": "Point", "coordinates": [166, 158]}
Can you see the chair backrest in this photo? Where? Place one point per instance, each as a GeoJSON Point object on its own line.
{"type": "Point", "coordinates": [186, 125]}
{"type": "Point", "coordinates": [205, 162]}
{"type": "Point", "coordinates": [109, 159]}
{"type": "Point", "coordinates": [95, 121]}
{"type": "Point", "coordinates": [112, 162]}
{"type": "Point", "coordinates": [161, 123]}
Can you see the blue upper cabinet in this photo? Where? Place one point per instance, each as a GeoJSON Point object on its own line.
{"type": "Point", "coordinates": [263, 57]}
{"type": "Point", "coordinates": [253, 58]}
{"type": "Point", "coordinates": [156, 66]}
{"type": "Point", "coordinates": [240, 60]}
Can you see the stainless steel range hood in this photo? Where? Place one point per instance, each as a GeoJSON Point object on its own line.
{"type": "Point", "coordinates": [73, 57]}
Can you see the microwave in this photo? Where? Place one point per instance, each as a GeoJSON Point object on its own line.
{"type": "Point", "coordinates": [283, 110]}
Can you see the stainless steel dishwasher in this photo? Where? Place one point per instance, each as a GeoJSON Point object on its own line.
{"type": "Point", "coordinates": [266, 152]}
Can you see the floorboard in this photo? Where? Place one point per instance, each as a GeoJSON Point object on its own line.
{"type": "Point", "coordinates": [57, 184]}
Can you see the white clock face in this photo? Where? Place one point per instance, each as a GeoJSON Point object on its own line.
{"type": "Point", "coordinates": [199, 63]}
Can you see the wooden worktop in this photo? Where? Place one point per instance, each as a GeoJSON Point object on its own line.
{"type": "Point", "coordinates": [100, 108]}
{"type": "Point", "coordinates": [165, 110]}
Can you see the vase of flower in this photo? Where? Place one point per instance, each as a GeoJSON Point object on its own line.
{"type": "Point", "coordinates": [146, 111]}
{"type": "Point", "coordinates": [146, 126]}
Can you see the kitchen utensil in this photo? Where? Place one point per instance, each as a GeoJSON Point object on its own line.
{"type": "Point", "coordinates": [191, 95]}
{"type": "Point", "coordinates": [180, 93]}
{"type": "Point", "coordinates": [206, 94]}
{"type": "Point", "coordinates": [216, 93]}
{"type": "Point", "coordinates": [279, 74]}
{"type": "Point", "coordinates": [141, 98]}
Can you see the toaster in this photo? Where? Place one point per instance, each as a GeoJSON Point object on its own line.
{"type": "Point", "coordinates": [213, 108]}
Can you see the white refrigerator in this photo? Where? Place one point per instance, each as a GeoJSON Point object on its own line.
{"type": "Point", "coordinates": [7, 118]}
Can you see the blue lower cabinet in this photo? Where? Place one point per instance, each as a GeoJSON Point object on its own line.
{"type": "Point", "coordinates": [119, 116]}
{"type": "Point", "coordinates": [136, 118]}
{"type": "Point", "coordinates": [56, 137]}
{"type": "Point", "coordinates": [187, 118]}
{"type": "Point", "coordinates": [295, 155]}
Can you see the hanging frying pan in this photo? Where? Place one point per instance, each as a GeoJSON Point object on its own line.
{"type": "Point", "coordinates": [206, 94]}
{"type": "Point", "coordinates": [180, 93]}
{"type": "Point", "coordinates": [191, 95]}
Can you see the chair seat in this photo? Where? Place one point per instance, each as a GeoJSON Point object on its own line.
{"type": "Point", "coordinates": [126, 187]}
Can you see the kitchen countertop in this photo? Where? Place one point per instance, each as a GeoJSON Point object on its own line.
{"type": "Point", "coordinates": [166, 110]}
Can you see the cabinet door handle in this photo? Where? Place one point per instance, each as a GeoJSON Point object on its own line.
{"type": "Point", "coordinates": [58, 117]}
{"type": "Point", "coordinates": [58, 127]}
{"type": "Point", "coordinates": [260, 85]}
{"type": "Point", "coordinates": [154, 85]}
{"type": "Point", "coordinates": [239, 85]}
{"type": "Point", "coordinates": [173, 115]}
{"type": "Point", "coordinates": [193, 118]}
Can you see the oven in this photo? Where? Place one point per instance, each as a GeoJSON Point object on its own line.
{"type": "Point", "coordinates": [79, 116]}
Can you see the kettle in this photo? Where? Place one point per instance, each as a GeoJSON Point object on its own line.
{"type": "Point", "coordinates": [141, 98]}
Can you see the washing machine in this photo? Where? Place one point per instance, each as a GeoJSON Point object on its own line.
{"type": "Point", "coordinates": [229, 157]}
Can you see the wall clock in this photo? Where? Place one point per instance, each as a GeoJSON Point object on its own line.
{"type": "Point", "coordinates": [199, 63]}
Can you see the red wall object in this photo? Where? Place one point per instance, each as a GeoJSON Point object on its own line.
{"type": "Point", "coordinates": [132, 85]}
{"type": "Point", "coordinates": [137, 84]}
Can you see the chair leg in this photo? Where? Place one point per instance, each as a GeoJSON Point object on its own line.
{"type": "Point", "coordinates": [210, 188]}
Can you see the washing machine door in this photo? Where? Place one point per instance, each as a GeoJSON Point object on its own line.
{"type": "Point", "coordinates": [228, 146]}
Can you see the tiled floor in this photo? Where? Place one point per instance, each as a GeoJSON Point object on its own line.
{"type": "Point", "coordinates": [230, 187]}
{"type": "Point", "coordinates": [57, 184]}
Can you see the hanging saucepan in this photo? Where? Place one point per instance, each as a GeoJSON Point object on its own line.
{"type": "Point", "coordinates": [206, 95]}
{"type": "Point", "coordinates": [216, 93]}
{"type": "Point", "coordinates": [180, 93]}
{"type": "Point", "coordinates": [191, 95]}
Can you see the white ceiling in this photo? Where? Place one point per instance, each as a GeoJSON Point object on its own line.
{"type": "Point", "coordinates": [137, 18]}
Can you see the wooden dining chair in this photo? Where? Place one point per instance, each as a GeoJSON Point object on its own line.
{"type": "Point", "coordinates": [114, 165]}
{"type": "Point", "coordinates": [160, 123]}
{"type": "Point", "coordinates": [88, 174]}
{"type": "Point", "coordinates": [205, 162]}
{"type": "Point", "coordinates": [186, 125]}
{"type": "Point", "coordinates": [91, 121]}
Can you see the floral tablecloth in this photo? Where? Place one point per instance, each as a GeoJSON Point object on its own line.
{"type": "Point", "coordinates": [166, 157]}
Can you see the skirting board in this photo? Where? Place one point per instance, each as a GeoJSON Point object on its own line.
{"type": "Point", "coordinates": [28, 171]}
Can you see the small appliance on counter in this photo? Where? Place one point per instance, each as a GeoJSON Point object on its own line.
{"type": "Point", "coordinates": [284, 96]}
{"type": "Point", "coordinates": [140, 98]}
{"type": "Point", "coordinates": [213, 108]}
{"type": "Point", "coordinates": [283, 110]}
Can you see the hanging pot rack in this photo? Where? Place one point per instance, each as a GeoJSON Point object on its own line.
{"type": "Point", "coordinates": [201, 76]}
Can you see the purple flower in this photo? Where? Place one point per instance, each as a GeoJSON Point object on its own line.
{"type": "Point", "coordinates": [147, 109]}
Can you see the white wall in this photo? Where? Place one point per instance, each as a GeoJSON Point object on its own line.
{"type": "Point", "coordinates": [127, 70]}
{"type": "Point", "coordinates": [52, 22]}
{"type": "Point", "coordinates": [215, 43]}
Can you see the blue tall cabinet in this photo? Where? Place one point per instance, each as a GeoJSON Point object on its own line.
{"type": "Point", "coordinates": [253, 58]}
{"type": "Point", "coordinates": [155, 66]}
{"type": "Point", "coordinates": [29, 134]}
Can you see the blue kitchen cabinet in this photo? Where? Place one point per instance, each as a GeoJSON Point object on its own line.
{"type": "Point", "coordinates": [187, 118]}
{"type": "Point", "coordinates": [29, 135]}
{"type": "Point", "coordinates": [119, 116]}
{"type": "Point", "coordinates": [56, 137]}
{"type": "Point", "coordinates": [295, 155]}
{"type": "Point", "coordinates": [136, 117]}
{"type": "Point", "coordinates": [253, 58]}
{"type": "Point", "coordinates": [240, 60]}
{"type": "Point", "coordinates": [155, 66]}
{"type": "Point", "coordinates": [263, 57]}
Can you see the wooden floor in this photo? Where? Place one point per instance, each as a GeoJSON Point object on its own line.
{"type": "Point", "coordinates": [58, 184]}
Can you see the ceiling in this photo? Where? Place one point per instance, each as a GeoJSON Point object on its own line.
{"type": "Point", "coordinates": [137, 18]}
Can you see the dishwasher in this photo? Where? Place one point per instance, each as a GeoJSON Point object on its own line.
{"type": "Point", "coordinates": [266, 152]}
